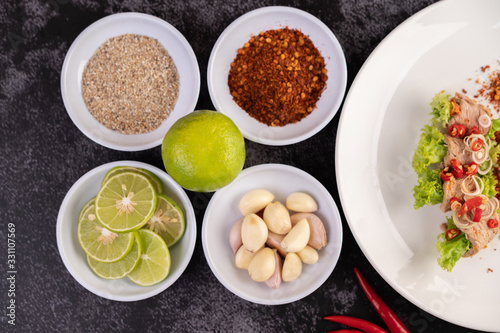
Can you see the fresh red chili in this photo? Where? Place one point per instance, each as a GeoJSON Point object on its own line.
{"type": "Point", "coordinates": [358, 323]}
{"type": "Point", "coordinates": [453, 199]}
{"type": "Point", "coordinates": [477, 145]}
{"type": "Point", "coordinates": [469, 205]}
{"type": "Point", "coordinates": [471, 169]}
{"type": "Point", "coordinates": [451, 233]}
{"type": "Point", "coordinates": [457, 170]}
{"type": "Point", "coordinates": [478, 212]}
{"type": "Point", "coordinates": [474, 130]}
{"type": "Point", "coordinates": [388, 316]}
{"type": "Point", "coordinates": [457, 130]}
{"type": "Point", "coordinates": [492, 223]}
{"type": "Point", "coordinates": [446, 174]}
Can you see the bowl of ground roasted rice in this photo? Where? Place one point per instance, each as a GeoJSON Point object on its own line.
{"type": "Point", "coordinates": [127, 78]}
{"type": "Point", "coordinates": [279, 73]}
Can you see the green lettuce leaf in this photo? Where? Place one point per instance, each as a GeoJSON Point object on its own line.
{"type": "Point", "coordinates": [451, 251]}
{"type": "Point", "coordinates": [495, 126]}
{"type": "Point", "coordinates": [429, 189]}
{"type": "Point", "coordinates": [430, 149]}
{"type": "Point", "coordinates": [489, 181]}
{"type": "Point", "coordinates": [441, 108]}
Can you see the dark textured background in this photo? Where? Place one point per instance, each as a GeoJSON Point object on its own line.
{"type": "Point", "coordinates": [43, 153]}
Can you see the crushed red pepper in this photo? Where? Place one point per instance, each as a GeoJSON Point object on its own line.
{"type": "Point", "coordinates": [490, 89]}
{"type": "Point", "coordinates": [278, 76]}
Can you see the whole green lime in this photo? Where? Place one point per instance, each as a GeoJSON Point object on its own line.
{"type": "Point", "coordinates": [203, 151]}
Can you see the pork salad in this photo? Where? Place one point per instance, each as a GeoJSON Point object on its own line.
{"type": "Point", "coordinates": [456, 161]}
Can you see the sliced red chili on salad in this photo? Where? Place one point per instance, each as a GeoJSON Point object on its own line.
{"type": "Point", "coordinates": [469, 205]}
{"type": "Point", "coordinates": [446, 174]}
{"type": "Point", "coordinates": [477, 145]}
{"type": "Point", "coordinates": [492, 223]}
{"type": "Point", "coordinates": [471, 169]}
{"type": "Point", "coordinates": [457, 170]}
{"type": "Point", "coordinates": [457, 130]}
{"type": "Point", "coordinates": [478, 213]}
{"type": "Point", "coordinates": [451, 233]}
{"type": "Point", "coordinates": [474, 130]}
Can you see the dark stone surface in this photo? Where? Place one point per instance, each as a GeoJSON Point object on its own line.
{"type": "Point", "coordinates": [42, 154]}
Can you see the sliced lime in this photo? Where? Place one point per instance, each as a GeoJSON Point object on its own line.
{"type": "Point", "coordinates": [125, 201]}
{"type": "Point", "coordinates": [154, 263]}
{"type": "Point", "coordinates": [157, 184]}
{"type": "Point", "coordinates": [85, 207]}
{"type": "Point", "coordinates": [100, 243]}
{"type": "Point", "coordinates": [120, 268]}
{"type": "Point", "coordinates": [167, 220]}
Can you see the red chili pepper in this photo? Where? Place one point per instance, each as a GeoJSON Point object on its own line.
{"type": "Point", "coordinates": [358, 323]}
{"type": "Point", "coordinates": [471, 169]}
{"type": "Point", "coordinates": [392, 321]}
{"type": "Point", "coordinates": [453, 199]}
{"type": "Point", "coordinates": [457, 130]}
{"type": "Point", "coordinates": [492, 223]}
{"type": "Point", "coordinates": [451, 233]}
{"type": "Point", "coordinates": [457, 170]}
{"type": "Point", "coordinates": [446, 174]}
{"type": "Point", "coordinates": [478, 212]}
{"type": "Point", "coordinates": [474, 130]}
{"type": "Point", "coordinates": [469, 205]}
{"type": "Point", "coordinates": [477, 145]}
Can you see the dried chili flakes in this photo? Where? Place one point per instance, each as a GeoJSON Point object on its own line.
{"type": "Point", "coordinates": [278, 76]}
{"type": "Point", "coordinates": [490, 89]}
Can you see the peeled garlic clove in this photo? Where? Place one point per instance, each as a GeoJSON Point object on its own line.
{"type": "Point", "coordinates": [262, 266]}
{"type": "Point", "coordinates": [277, 218]}
{"type": "Point", "coordinates": [275, 280]}
{"type": "Point", "coordinates": [297, 238]}
{"type": "Point", "coordinates": [274, 242]}
{"type": "Point", "coordinates": [235, 235]}
{"type": "Point", "coordinates": [243, 257]}
{"type": "Point", "coordinates": [253, 232]}
{"type": "Point", "coordinates": [292, 267]}
{"type": "Point", "coordinates": [308, 255]}
{"type": "Point", "coordinates": [301, 202]}
{"type": "Point", "coordinates": [317, 238]}
{"type": "Point", "coordinates": [254, 201]}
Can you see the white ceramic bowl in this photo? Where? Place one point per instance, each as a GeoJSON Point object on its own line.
{"type": "Point", "coordinates": [89, 41]}
{"type": "Point", "coordinates": [268, 18]}
{"type": "Point", "coordinates": [222, 212]}
{"type": "Point", "coordinates": [75, 259]}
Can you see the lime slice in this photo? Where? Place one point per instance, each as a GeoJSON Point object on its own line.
{"type": "Point", "coordinates": [85, 207]}
{"type": "Point", "coordinates": [167, 220]}
{"type": "Point", "coordinates": [125, 202]}
{"type": "Point", "coordinates": [154, 263]}
{"type": "Point", "coordinates": [157, 184]}
{"type": "Point", "coordinates": [120, 268]}
{"type": "Point", "coordinates": [100, 243]}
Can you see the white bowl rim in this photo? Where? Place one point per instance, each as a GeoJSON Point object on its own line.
{"type": "Point", "coordinates": [189, 217]}
{"type": "Point", "coordinates": [93, 28]}
{"type": "Point", "coordinates": [342, 77]}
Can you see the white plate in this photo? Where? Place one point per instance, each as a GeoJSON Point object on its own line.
{"type": "Point", "coordinates": [263, 19]}
{"type": "Point", "coordinates": [89, 41]}
{"type": "Point", "coordinates": [222, 212]}
{"type": "Point", "coordinates": [439, 48]}
{"type": "Point", "coordinates": [75, 259]}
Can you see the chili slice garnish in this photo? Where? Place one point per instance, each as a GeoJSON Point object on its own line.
{"type": "Point", "coordinates": [453, 199]}
{"type": "Point", "coordinates": [477, 145]}
{"type": "Point", "coordinates": [446, 174]}
{"type": "Point", "coordinates": [455, 110]}
{"type": "Point", "coordinates": [474, 130]}
{"type": "Point", "coordinates": [457, 130]}
{"type": "Point", "coordinates": [471, 169]}
{"type": "Point", "coordinates": [469, 205]}
{"type": "Point", "coordinates": [478, 212]}
{"type": "Point", "coordinates": [388, 316]}
{"type": "Point", "coordinates": [457, 170]}
{"type": "Point", "coordinates": [492, 223]}
{"type": "Point", "coordinates": [451, 233]}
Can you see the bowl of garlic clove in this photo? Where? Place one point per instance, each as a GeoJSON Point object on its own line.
{"type": "Point", "coordinates": [270, 240]}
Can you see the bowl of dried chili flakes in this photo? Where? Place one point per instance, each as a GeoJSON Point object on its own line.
{"type": "Point", "coordinates": [279, 73]}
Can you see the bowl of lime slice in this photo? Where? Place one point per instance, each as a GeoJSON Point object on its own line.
{"type": "Point", "coordinates": [126, 231]}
